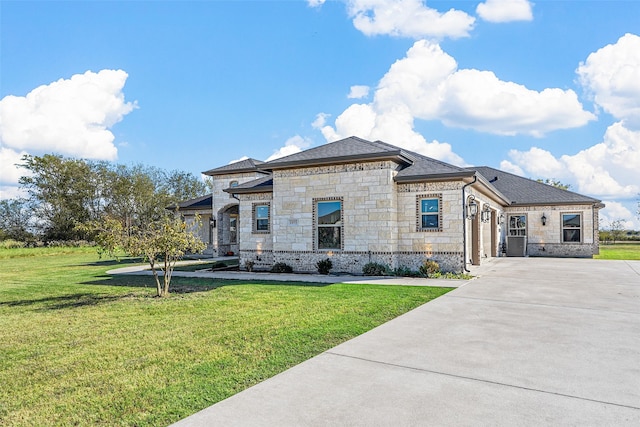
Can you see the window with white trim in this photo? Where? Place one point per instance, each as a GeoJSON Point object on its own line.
{"type": "Point", "coordinates": [571, 228]}
{"type": "Point", "coordinates": [329, 224]}
{"type": "Point", "coordinates": [429, 212]}
{"type": "Point", "coordinates": [261, 217]}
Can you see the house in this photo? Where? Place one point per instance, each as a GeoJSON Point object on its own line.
{"type": "Point", "coordinates": [200, 206]}
{"type": "Point", "coordinates": [357, 201]}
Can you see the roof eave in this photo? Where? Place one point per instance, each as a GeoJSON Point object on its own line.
{"type": "Point", "coordinates": [434, 177]}
{"type": "Point", "coordinates": [213, 172]}
{"type": "Point", "coordinates": [236, 190]}
{"type": "Point", "coordinates": [596, 203]}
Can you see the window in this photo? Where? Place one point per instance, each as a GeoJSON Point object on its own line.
{"type": "Point", "coordinates": [261, 218]}
{"type": "Point", "coordinates": [571, 228]}
{"type": "Point", "coordinates": [517, 225]}
{"type": "Point", "coordinates": [329, 224]}
{"type": "Point", "coordinates": [429, 212]}
{"type": "Point", "coordinates": [233, 184]}
{"type": "Point", "coordinates": [429, 209]}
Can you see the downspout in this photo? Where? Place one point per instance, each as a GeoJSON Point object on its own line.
{"type": "Point", "coordinates": [464, 224]}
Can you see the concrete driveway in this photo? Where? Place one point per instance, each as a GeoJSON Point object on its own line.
{"type": "Point", "coordinates": [532, 341]}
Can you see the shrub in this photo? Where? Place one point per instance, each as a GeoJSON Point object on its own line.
{"type": "Point", "coordinates": [248, 265]}
{"type": "Point", "coordinates": [375, 269]}
{"type": "Point", "coordinates": [11, 244]}
{"type": "Point", "coordinates": [218, 264]}
{"type": "Point", "coordinates": [403, 271]}
{"type": "Point", "coordinates": [281, 267]}
{"type": "Point", "coordinates": [429, 268]}
{"type": "Point", "coordinates": [324, 266]}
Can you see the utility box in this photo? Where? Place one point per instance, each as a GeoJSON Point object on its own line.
{"type": "Point", "coordinates": [516, 245]}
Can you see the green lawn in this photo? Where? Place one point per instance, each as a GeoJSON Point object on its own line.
{"type": "Point", "coordinates": [78, 347]}
{"type": "Point", "coordinates": [630, 251]}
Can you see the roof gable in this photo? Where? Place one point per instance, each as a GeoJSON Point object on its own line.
{"type": "Point", "coordinates": [246, 165]}
{"type": "Point", "coordinates": [345, 150]}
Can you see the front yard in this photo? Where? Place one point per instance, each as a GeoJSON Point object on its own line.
{"type": "Point", "coordinates": [78, 347]}
{"type": "Point", "coordinates": [627, 250]}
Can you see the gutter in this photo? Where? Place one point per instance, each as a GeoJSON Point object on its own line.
{"type": "Point", "coordinates": [464, 224]}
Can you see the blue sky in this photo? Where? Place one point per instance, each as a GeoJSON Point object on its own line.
{"type": "Point", "coordinates": [546, 89]}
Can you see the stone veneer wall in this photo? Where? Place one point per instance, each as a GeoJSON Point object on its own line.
{"type": "Point", "coordinates": [380, 220]}
{"type": "Point", "coordinates": [369, 208]}
{"type": "Point", "coordinates": [546, 240]}
{"type": "Point", "coordinates": [255, 246]}
{"type": "Point", "coordinates": [220, 202]}
{"type": "Point", "coordinates": [443, 245]}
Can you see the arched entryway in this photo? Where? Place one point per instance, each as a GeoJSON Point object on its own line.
{"type": "Point", "coordinates": [228, 230]}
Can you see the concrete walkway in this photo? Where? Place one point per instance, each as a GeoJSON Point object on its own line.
{"type": "Point", "coordinates": [532, 341]}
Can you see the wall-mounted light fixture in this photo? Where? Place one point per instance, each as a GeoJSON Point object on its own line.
{"type": "Point", "coordinates": [472, 207]}
{"type": "Point", "coordinates": [501, 219]}
{"type": "Point", "coordinates": [212, 222]}
{"type": "Point", "coordinates": [544, 220]}
{"type": "Point", "coordinates": [485, 216]}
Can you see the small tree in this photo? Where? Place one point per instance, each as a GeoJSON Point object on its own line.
{"type": "Point", "coordinates": [616, 230]}
{"type": "Point", "coordinates": [161, 243]}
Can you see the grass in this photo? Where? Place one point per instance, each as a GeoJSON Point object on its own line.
{"type": "Point", "coordinates": [628, 251]}
{"type": "Point", "coordinates": [78, 347]}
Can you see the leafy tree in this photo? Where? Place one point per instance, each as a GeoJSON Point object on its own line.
{"type": "Point", "coordinates": [554, 183]}
{"type": "Point", "coordinates": [162, 243]}
{"type": "Point", "coordinates": [63, 193]}
{"type": "Point", "coordinates": [16, 219]}
{"type": "Point", "coordinates": [184, 186]}
{"type": "Point", "coordinates": [616, 230]}
{"type": "Point", "coordinates": [66, 192]}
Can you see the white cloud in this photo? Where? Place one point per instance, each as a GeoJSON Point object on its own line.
{"type": "Point", "coordinates": [428, 81]}
{"type": "Point", "coordinates": [315, 3]}
{"type": "Point", "coordinates": [358, 92]}
{"type": "Point", "coordinates": [395, 126]}
{"type": "Point", "coordinates": [615, 211]}
{"type": "Point", "coordinates": [612, 76]}
{"type": "Point", "coordinates": [408, 18]}
{"type": "Point", "coordinates": [320, 120]}
{"type": "Point", "coordinates": [70, 116]}
{"type": "Point", "coordinates": [505, 10]}
{"type": "Point", "coordinates": [428, 85]}
{"type": "Point", "coordinates": [10, 173]}
{"type": "Point", "coordinates": [507, 166]}
{"type": "Point", "coordinates": [606, 170]}
{"type": "Point", "coordinates": [238, 160]}
{"type": "Point", "coordinates": [11, 192]}
{"type": "Point", "coordinates": [538, 160]}
{"type": "Point", "coordinates": [293, 145]}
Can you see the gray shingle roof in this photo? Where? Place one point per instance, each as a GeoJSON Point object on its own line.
{"type": "Point", "coordinates": [263, 184]}
{"type": "Point", "coordinates": [246, 165]}
{"type": "Point", "coordinates": [415, 167]}
{"type": "Point", "coordinates": [202, 202]}
{"type": "Point", "coordinates": [525, 191]}
{"type": "Point", "coordinates": [348, 149]}
{"type": "Point", "coordinates": [353, 148]}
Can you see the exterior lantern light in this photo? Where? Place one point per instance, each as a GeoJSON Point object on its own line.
{"type": "Point", "coordinates": [472, 207]}
{"type": "Point", "coordinates": [544, 219]}
{"type": "Point", "coordinates": [501, 219]}
{"type": "Point", "coordinates": [212, 222]}
{"type": "Point", "coordinates": [486, 213]}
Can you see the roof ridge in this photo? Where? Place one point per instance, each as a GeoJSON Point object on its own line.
{"type": "Point", "coordinates": [422, 156]}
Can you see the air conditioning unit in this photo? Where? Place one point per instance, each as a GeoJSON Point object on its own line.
{"type": "Point", "coordinates": [516, 245]}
